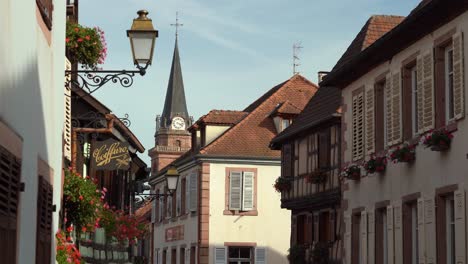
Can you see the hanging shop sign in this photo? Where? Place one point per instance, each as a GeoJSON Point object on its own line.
{"type": "Point", "coordinates": [110, 155]}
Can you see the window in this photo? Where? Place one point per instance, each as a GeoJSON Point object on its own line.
{"type": "Point", "coordinates": [410, 100]}
{"type": "Point", "coordinates": [449, 106]}
{"type": "Point", "coordinates": [324, 149]}
{"type": "Point", "coordinates": [174, 256]}
{"type": "Point", "coordinates": [356, 241]}
{"type": "Point", "coordinates": [182, 256]}
{"type": "Point", "coordinates": [324, 227]}
{"type": "Point", "coordinates": [414, 99]}
{"type": "Point", "coordinates": [240, 255]}
{"type": "Point", "coordinates": [381, 253]}
{"type": "Point", "coordinates": [450, 229]}
{"type": "Point", "coordinates": [301, 229]}
{"type": "Point", "coordinates": [285, 123]}
{"type": "Point", "coordinates": [358, 124]}
{"type": "Point", "coordinates": [241, 190]}
{"type": "Point", "coordinates": [192, 254]}
{"type": "Point", "coordinates": [410, 233]}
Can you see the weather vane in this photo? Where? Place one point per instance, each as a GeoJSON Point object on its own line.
{"type": "Point", "coordinates": [296, 48]}
{"type": "Point", "coordinates": [177, 25]}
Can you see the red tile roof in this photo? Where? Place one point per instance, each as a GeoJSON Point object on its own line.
{"type": "Point", "coordinates": [375, 27]}
{"type": "Point", "coordinates": [143, 214]}
{"type": "Point", "coordinates": [252, 135]}
{"type": "Point", "coordinates": [289, 108]}
{"type": "Point", "coordinates": [221, 117]}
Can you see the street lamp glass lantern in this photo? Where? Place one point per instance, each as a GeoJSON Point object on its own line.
{"type": "Point", "coordinates": [172, 178]}
{"type": "Point", "coordinates": [142, 37]}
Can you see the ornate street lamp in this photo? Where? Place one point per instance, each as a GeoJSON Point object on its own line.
{"type": "Point", "coordinates": [142, 37]}
{"type": "Point", "coordinates": [172, 180]}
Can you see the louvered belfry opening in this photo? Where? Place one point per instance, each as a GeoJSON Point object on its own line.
{"type": "Point", "coordinates": [44, 221]}
{"type": "Point", "coordinates": [10, 173]}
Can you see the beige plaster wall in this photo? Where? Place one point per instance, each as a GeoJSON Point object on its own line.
{"type": "Point", "coordinates": [212, 132]}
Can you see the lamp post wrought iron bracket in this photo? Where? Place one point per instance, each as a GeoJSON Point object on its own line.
{"type": "Point", "coordinates": [91, 80]}
{"type": "Point", "coordinates": [154, 196]}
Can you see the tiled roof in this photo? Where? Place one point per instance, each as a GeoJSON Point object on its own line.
{"type": "Point", "coordinates": [323, 106]}
{"type": "Point", "coordinates": [288, 108]}
{"type": "Point", "coordinates": [252, 135]}
{"type": "Point", "coordinates": [221, 117]}
{"type": "Point", "coordinates": [374, 28]}
{"type": "Point", "coordinates": [143, 213]}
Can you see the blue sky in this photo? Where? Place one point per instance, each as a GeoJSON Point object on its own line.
{"type": "Point", "coordinates": [231, 51]}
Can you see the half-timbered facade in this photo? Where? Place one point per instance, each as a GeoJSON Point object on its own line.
{"type": "Point", "coordinates": [310, 151]}
{"type": "Point", "coordinates": [397, 95]}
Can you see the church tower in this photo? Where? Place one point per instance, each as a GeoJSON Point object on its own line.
{"type": "Point", "coordinates": [172, 138]}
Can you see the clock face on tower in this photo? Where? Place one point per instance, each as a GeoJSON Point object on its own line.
{"type": "Point", "coordinates": [178, 123]}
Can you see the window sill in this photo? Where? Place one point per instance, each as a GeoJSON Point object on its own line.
{"type": "Point", "coordinates": [241, 213]}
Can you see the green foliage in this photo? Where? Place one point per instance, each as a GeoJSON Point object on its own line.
{"type": "Point", "coordinates": [282, 184]}
{"type": "Point", "coordinates": [320, 253]}
{"type": "Point", "coordinates": [297, 254]}
{"type": "Point", "coordinates": [85, 45]}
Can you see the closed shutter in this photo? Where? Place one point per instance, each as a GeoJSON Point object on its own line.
{"type": "Point", "coordinates": [347, 238]}
{"type": "Point", "coordinates": [358, 126]}
{"type": "Point", "coordinates": [153, 211]}
{"type": "Point", "coordinates": [179, 199]}
{"type": "Point", "coordinates": [220, 255]}
{"type": "Point", "coordinates": [293, 230]}
{"type": "Point", "coordinates": [44, 222]}
{"type": "Point", "coordinates": [458, 76]}
{"type": "Point", "coordinates": [332, 235]}
{"type": "Point", "coordinates": [187, 256]}
{"type": "Point", "coordinates": [67, 126]}
{"type": "Point", "coordinates": [161, 208]}
{"type": "Point", "coordinates": [396, 108]}
{"type": "Point", "coordinates": [420, 91]}
{"type": "Point", "coordinates": [235, 189]}
{"type": "Point", "coordinates": [187, 194]}
{"type": "Point", "coordinates": [169, 207]}
{"type": "Point", "coordinates": [248, 191]}
{"type": "Point", "coordinates": [363, 229]}
{"type": "Point", "coordinates": [460, 227]}
{"type": "Point", "coordinates": [430, 229]}
{"type": "Point", "coordinates": [316, 227]}
{"type": "Point", "coordinates": [390, 237]}
{"type": "Point", "coordinates": [370, 120]}
{"type": "Point", "coordinates": [426, 88]}
{"type": "Point", "coordinates": [398, 231]}
{"type": "Point", "coordinates": [388, 110]}
{"type": "Point", "coordinates": [371, 236]}
{"type": "Point", "coordinates": [260, 256]}
{"type": "Point", "coordinates": [10, 173]}
{"type": "Point", "coordinates": [193, 191]}
{"type": "Point", "coordinates": [421, 233]}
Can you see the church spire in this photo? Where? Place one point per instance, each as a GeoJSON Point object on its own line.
{"type": "Point", "coordinates": [175, 104]}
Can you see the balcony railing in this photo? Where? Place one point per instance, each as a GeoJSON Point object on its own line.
{"type": "Point", "coordinates": [302, 188]}
{"type": "Point", "coordinates": [171, 149]}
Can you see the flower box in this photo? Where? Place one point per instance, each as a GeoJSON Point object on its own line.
{"type": "Point", "coordinates": [282, 184]}
{"type": "Point", "coordinates": [352, 172]}
{"type": "Point", "coordinates": [376, 164]}
{"type": "Point", "coordinates": [85, 45]}
{"type": "Point", "coordinates": [405, 153]}
{"type": "Point", "coordinates": [438, 140]}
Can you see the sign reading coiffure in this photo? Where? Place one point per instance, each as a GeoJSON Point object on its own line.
{"type": "Point", "coordinates": [110, 155]}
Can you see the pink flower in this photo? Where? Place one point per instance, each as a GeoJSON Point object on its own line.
{"type": "Point", "coordinates": [77, 29]}
{"type": "Point", "coordinates": [67, 40]}
{"type": "Point", "coordinates": [87, 37]}
{"type": "Point", "coordinates": [81, 197]}
{"type": "Point", "coordinates": [80, 40]}
{"type": "Point", "coordinates": [104, 189]}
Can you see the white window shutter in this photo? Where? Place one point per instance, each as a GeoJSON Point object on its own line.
{"type": "Point", "coordinates": [220, 255]}
{"type": "Point", "coordinates": [179, 197]}
{"type": "Point", "coordinates": [358, 126]}
{"type": "Point", "coordinates": [347, 238]}
{"type": "Point", "coordinates": [187, 195]}
{"type": "Point", "coordinates": [248, 191]}
{"type": "Point", "coordinates": [428, 91]}
{"type": "Point", "coordinates": [458, 76]}
{"type": "Point", "coordinates": [67, 124]}
{"type": "Point", "coordinates": [161, 206]}
{"type": "Point", "coordinates": [460, 227]}
{"type": "Point", "coordinates": [371, 236]}
{"type": "Point", "coordinates": [420, 90]}
{"type": "Point", "coordinates": [260, 255]}
{"type": "Point", "coordinates": [396, 108]}
{"type": "Point", "coordinates": [370, 120]}
{"type": "Point", "coordinates": [388, 106]}
{"type": "Point", "coordinates": [430, 229]}
{"type": "Point", "coordinates": [235, 190]}
{"type": "Point", "coordinates": [169, 207]}
{"type": "Point", "coordinates": [398, 231]}
{"type": "Point", "coordinates": [363, 245]}
{"type": "Point", "coordinates": [187, 256]}
{"type": "Point", "coordinates": [193, 192]}
{"type": "Point", "coordinates": [390, 238]}
{"type": "Point", "coordinates": [153, 211]}
{"type": "Point", "coordinates": [421, 233]}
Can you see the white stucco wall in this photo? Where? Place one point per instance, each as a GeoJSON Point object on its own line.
{"type": "Point", "coordinates": [270, 229]}
{"type": "Point", "coordinates": [31, 103]}
{"type": "Point", "coordinates": [212, 132]}
{"type": "Point", "coordinates": [431, 169]}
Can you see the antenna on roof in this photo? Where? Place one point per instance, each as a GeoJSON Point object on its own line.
{"type": "Point", "coordinates": [177, 25]}
{"type": "Point", "coordinates": [296, 49]}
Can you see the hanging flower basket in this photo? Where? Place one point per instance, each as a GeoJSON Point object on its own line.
{"type": "Point", "coordinates": [317, 177]}
{"type": "Point", "coordinates": [438, 140]}
{"type": "Point", "coordinates": [405, 153]}
{"type": "Point", "coordinates": [85, 45]}
{"type": "Point", "coordinates": [376, 164]}
{"type": "Point", "coordinates": [352, 172]}
{"type": "Point", "coordinates": [282, 184]}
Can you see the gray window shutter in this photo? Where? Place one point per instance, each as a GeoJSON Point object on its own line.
{"type": "Point", "coordinates": [179, 196]}
{"type": "Point", "coordinates": [458, 76]}
{"type": "Point", "coordinates": [193, 192]}
{"type": "Point", "coordinates": [260, 255]}
{"type": "Point", "coordinates": [153, 211]}
{"type": "Point", "coordinates": [248, 191]}
{"type": "Point", "coordinates": [220, 255]}
{"type": "Point", "coordinates": [235, 190]}
{"type": "Point", "coordinates": [187, 194]}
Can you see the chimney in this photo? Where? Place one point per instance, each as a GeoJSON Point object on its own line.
{"type": "Point", "coordinates": [321, 75]}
